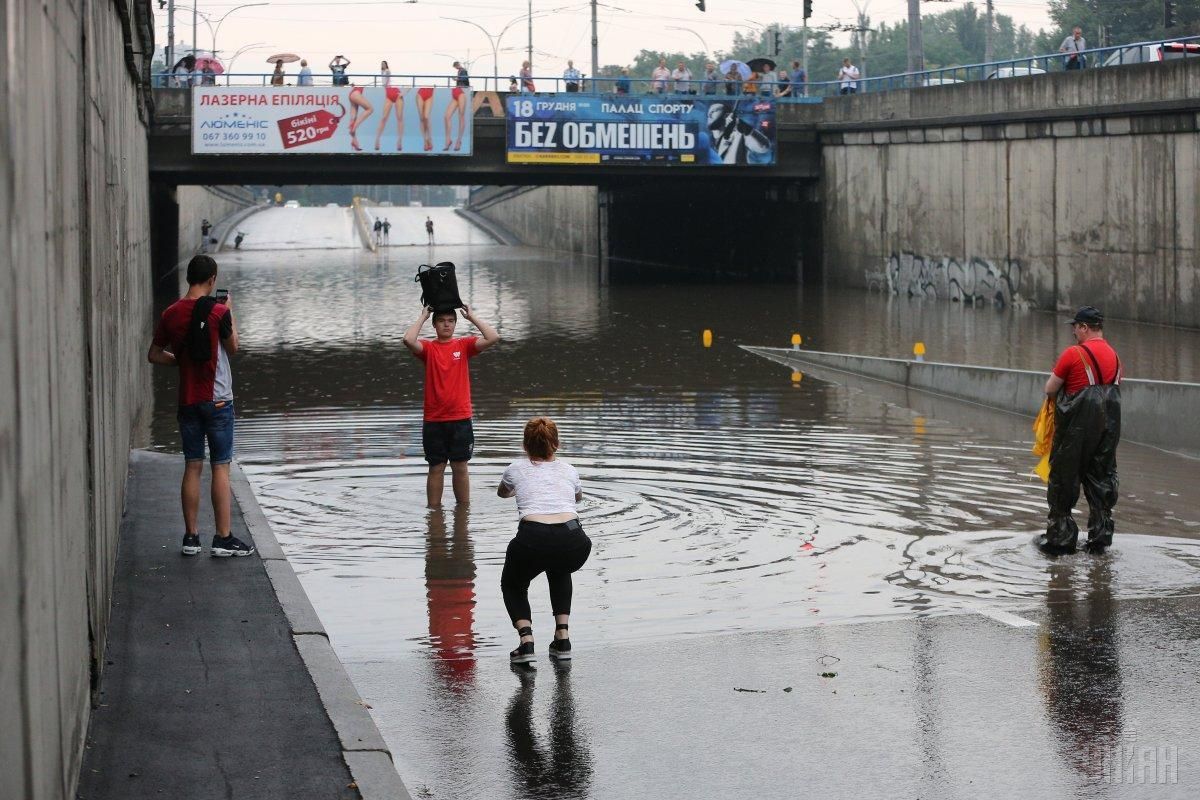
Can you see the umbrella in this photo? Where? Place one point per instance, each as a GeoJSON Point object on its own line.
{"type": "Point", "coordinates": [761, 65]}
{"type": "Point", "coordinates": [208, 62]}
{"type": "Point", "coordinates": [742, 67]}
{"type": "Point", "coordinates": [286, 58]}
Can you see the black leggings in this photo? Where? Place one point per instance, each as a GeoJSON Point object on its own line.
{"type": "Point", "coordinates": [557, 550]}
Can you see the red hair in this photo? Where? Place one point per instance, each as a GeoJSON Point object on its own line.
{"type": "Point", "coordinates": [541, 437]}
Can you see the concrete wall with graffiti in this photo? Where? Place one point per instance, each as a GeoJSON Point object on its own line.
{"type": "Point", "coordinates": [975, 281]}
{"type": "Point", "coordinates": [1048, 218]}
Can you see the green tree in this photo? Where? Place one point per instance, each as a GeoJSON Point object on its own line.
{"type": "Point", "coordinates": [1123, 21]}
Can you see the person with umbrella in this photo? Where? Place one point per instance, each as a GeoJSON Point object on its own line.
{"type": "Point", "coordinates": [277, 75]}
{"type": "Point", "coordinates": [735, 72]}
{"type": "Point", "coordinates": [764, 71]}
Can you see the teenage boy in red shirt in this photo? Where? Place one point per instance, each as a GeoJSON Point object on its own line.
{"type": "Point", "coordinates": [447, 435]}
{"type": "Point", "coordinates": [197, 335]}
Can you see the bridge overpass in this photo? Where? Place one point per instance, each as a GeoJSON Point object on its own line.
{"type": "Point", "coordinates": [172, 161]}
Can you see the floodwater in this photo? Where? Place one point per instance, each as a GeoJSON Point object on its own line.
{"type": "Point", "coordinates": [722, 495]}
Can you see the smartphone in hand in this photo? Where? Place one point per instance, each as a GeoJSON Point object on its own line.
{"type": "Point", "coordinates": [222, 296]}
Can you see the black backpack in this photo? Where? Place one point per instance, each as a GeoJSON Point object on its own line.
{"type": "Point", "coordinates": [439, 287]}
{"type": "Point", "coordinates": [199, 339]}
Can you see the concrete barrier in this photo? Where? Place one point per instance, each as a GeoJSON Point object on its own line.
{"type": "Point", "coordinates": [1154, 413]}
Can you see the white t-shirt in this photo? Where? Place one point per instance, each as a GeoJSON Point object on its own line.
{"type": "Point", "coordinates": [849, 76]}
{"type": "Point", "coordinates": [543, 487]}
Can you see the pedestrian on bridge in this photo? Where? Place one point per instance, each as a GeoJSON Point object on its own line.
{"type": "Point", "coordinates": [848, 77]}
{"type": "Point", "coordinates": [527, 86]}
{"type": "Point", "coordinates": [572, 77]}
{"type": "Point", "coordinates": [624, 85]}
{"type": "Point", "coordinates": [197, 335]}
{"type": "Point", "coordinates": [1074, 45]}
{"type": "Point", "coordinates": [799, 79]}
{"type": "Point", "coordinates": [447, 435]}
{"type": "Point", "coordinates": [304, 78]}
{"type": "Point", "coordinates": [682, 78]}
{"type": "Point", "coordinates": [277, 75]}
{"type": "Point", "coordinates": [712, 79]}
{"type": "Point", "coordinates": [1085, 388]}
{"type": "Point", "coordinates": [659, 77]}
{"type": "Point", "coordinates": [337, 68]}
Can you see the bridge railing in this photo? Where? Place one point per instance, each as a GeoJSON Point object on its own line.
{"type": "Point", "coordinates": [784, 92]}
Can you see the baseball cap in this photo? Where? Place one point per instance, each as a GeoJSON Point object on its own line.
{"type": "Point", "coordinates": [1087, 315]}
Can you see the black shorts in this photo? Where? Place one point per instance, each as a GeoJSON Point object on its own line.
{"type": "Point", "coordinates": [448, 441]}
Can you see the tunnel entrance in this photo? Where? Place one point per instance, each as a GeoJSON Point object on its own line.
{"type": "Point", "coordinates": [712, 231]}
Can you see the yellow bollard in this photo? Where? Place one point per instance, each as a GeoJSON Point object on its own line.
{"type": "Point", "coordinates": [797, 376]}
{"type": "Point", "coordinates": [797, 340]}
{"type": "Point", "coordinates": [706, 337]}
{"type": "Point", "coordinates": [919, 351]}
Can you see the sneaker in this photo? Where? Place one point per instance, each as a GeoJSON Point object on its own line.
{"type": "Point", "coordinates": [225, 546]}
{"type": "Point", "coordinates": [523, 654]}
{"type": "Point", "coordinates": [191, 544]}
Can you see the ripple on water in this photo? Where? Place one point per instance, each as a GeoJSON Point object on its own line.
{"type": "Point", "coordinates": [695, 529]}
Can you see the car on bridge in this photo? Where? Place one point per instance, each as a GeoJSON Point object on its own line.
{"type": "Point", "coordinates": [1015, 72]}
{"type": "Point", "coordinates": [939, 81]}
{"type": "Point", "coordinates": [1144, 53]}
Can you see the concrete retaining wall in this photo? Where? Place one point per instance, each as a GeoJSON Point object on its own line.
{"type": "Point", "coordinates": [74, 383]}
{"type": "Point", "coordinates": [1054, 191]}
{"type": "Point", "coordinates": [1155, 413]}
{"type": "Point", "coordinates": [553, 217]}
{"type": "Point", "coordinates": [198, 203]}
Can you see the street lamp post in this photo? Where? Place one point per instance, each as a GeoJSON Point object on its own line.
{"type": "Point", "coordinates": [703, 43]}
{"type": "Point", "coordinates": [209, 22]}
{"type": "Point", "coordinates": [494, 41]}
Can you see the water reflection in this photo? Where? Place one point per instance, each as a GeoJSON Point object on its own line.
{"type": "Point", "coordinates": [450, 589]}
{"type": "Point", "coordinates": [1081, 664]}
{"type": "Point", "coordinates": [556, 765]}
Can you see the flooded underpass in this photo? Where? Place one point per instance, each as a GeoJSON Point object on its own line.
{"type": "Point", "coordinates": [796, 587]}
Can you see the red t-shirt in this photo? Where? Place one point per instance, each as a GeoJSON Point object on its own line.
{"type": "Point", "coordinates": [198, 382]}
{"type": "Point", "coordinates": [1071, 362]}
{"type": "Point", "coordinates": [447, 382]}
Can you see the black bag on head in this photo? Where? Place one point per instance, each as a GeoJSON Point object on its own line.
{"type": "Point", "coordinates": [439, 287]}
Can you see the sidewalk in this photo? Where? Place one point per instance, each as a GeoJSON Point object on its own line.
{"type": "Point", "coordinates": [211, 687]}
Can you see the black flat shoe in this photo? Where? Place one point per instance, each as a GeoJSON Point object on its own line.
{"type": "Point", "coordinates": [560, 649]}
{"type": "Point", "coordinates": [524, 652]}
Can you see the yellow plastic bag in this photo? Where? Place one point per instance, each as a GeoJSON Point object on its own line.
{"type": "Point", "coordinates": [1043, 439]}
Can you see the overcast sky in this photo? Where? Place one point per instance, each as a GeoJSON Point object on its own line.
{"type": "Point", "coordinates": [418, 38]}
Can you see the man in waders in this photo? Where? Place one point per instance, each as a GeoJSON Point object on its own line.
{"type": "Point", "coordinates": [1085, 386]}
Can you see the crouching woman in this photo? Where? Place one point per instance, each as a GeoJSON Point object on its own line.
{"type": "Point", "coordinates": [549, 538]}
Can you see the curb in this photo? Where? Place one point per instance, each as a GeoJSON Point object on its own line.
{"type": "Point", "coordinates": [363, 747]}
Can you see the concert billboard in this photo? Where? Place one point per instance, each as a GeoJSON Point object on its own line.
{"type": "Point", "coordinates": [687, 130]}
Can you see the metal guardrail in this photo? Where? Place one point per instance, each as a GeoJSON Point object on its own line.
{"type": "Point", "coordinates": [810, 92]}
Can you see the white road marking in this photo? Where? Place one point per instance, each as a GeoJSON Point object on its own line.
{"type": "Point", "coordinates": [1005, 617]}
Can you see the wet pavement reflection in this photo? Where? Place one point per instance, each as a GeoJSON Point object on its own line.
{"type": "Point", "coordinates": [741, 518]}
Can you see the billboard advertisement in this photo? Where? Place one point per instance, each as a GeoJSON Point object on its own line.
{"type": "Point", "coordinates": [636, 129]}
{"type": "Point", "coordinates": [380, 120]}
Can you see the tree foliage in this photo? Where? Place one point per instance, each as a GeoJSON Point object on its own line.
{"type": "Point", "coordinates": [953, 37]}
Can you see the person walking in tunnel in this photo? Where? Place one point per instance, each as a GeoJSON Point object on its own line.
{"type": "Point", "coordinates": [447, 435]}
{"type": "Point", "coordinates": [1085, 387]}
{"type": "Point", "coordinates": [197, 335]}
{"type": "Point", "coordinates": [549, 537]}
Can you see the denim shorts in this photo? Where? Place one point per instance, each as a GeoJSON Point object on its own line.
{"type": "Point", "coordinates": [212, 421]}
